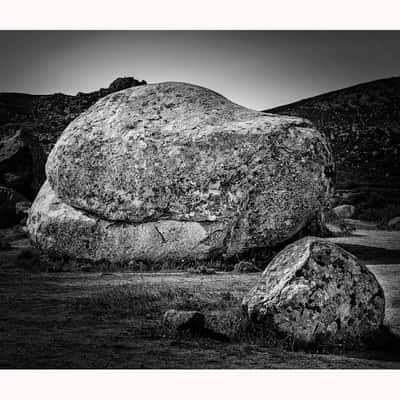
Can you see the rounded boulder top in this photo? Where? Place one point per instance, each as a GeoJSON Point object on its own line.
{"type": "Point", "coordinates": [182, 152]}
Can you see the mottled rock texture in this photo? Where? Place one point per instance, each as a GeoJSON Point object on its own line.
{"type": "Point", "coordinates": [314, 291]}
{"type": "Point", "coordinates": [183, 153]}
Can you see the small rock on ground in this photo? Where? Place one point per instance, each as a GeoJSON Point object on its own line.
{"type": "Point", "coordinates": [191, 321]}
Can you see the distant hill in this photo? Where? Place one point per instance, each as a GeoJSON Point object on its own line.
{"type": "Point", "coordinates": [363, 124]}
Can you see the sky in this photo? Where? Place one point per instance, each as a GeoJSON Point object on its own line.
{"type": "Point", "coordinates": [258, 69]}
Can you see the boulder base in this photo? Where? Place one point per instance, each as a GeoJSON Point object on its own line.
{"type": "Point", "coordinates": [314, 291]}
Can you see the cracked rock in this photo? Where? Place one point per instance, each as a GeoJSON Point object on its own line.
{"type": "Point", "coordinates": [313, 291]}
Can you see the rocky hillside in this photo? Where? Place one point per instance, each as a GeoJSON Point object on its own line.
{"type": "Point", "coordinates": [363, 125]}
{"type": "Point", "coordinates": [31, 124]}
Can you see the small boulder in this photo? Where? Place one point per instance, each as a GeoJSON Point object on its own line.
{"type": "Point", "coordinates": [245, 267]}
{"type": "Point", "coordinates": [191, 321]}
{"type": "Point", "coordinates": [315, 292]}
{"type": "Point", "coordinates": [394, 223]}
{"type": "Point", "coordinates": [344, 211]}
{"type": "Point", "coordinates": [202, 270]}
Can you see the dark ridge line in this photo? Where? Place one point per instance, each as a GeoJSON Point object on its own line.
{"type": "Point", "coordinates": [327, 94]}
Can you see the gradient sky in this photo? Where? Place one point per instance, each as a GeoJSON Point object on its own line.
{"type": "Point", "coordinates": [258, 69]}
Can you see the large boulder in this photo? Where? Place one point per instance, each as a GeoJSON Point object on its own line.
{"type": "Point", "coordinates": [231, 178]}
{"type": "Point", "coordinates": [314, 291]}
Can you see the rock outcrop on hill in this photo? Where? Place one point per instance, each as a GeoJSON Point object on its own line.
{"type": "Point", "coordinates": [182, 172]}
{"type": "Point", "coordinates": [315, 292]}
{"type": "Point", "coordinates": [363, 124]}
{"type": "Point", "coordinates": [31, 124]}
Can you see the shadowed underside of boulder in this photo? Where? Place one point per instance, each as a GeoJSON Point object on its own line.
{"type": "Point", "coordinates": [314, 291]}
{"type": "Point", "coordinates": [182, 155]}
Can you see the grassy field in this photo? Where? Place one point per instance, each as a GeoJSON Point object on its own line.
{"type": "Point", "coordinates": [113, 320]}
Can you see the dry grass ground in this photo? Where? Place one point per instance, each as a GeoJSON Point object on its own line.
{"type": "Point", "coordinates": [113, 320]}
